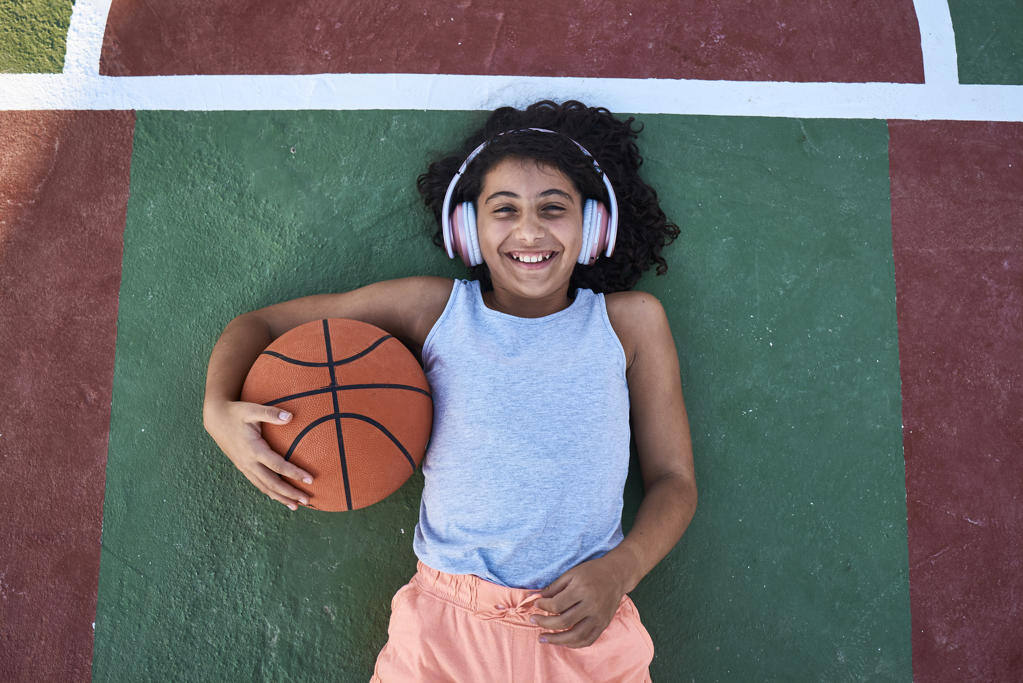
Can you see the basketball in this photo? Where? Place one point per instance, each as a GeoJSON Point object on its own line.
{"type": "Point", "coordinates": [361, 409]}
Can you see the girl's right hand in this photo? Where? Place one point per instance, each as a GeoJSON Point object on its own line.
{"type": "Point", "coordinates": [235, 426]}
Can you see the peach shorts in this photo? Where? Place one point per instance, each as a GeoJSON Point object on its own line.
{"type": "Point", "coordinates": [455, 628]}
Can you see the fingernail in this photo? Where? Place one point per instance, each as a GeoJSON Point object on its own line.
{"type": "Point", "coordinates": [532, 620]}
{"type": "Point", "coordinates": [284, 415]}
{"type": "Point", "coordinates": [293, 507]}
{"type": "Point", "coordinates": [542, 639]}
{"type": "Point", "coordinates": [308, 480]}
{"type": "Point", "coordinates": [304, 501]}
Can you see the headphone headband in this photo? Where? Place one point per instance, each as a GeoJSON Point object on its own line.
{"type": "Point", "coordinates": [445, 214]}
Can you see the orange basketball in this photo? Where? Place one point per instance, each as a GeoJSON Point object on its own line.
{"type": "Point", "coordinates": [361, 409]}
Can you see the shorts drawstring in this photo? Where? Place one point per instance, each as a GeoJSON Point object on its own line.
{"type": "Point", "coordinates": [524, 607]}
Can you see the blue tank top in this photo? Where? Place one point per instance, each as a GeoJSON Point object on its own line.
{"type": "Point", "coordinates": [529, 453]}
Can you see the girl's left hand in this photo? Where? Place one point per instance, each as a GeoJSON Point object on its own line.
{"type": "Point", "coordinates": [582, 602]}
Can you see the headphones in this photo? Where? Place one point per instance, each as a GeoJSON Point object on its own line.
{"type": "Point", "coordinates": [600, 226]}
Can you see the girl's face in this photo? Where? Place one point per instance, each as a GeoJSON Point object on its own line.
{"type": "Point", "coordinates": [527, 211]}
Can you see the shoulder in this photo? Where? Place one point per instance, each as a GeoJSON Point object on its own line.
{"type": "Point", "coordinates": [633, 315]}
{"type": "Point", "coordinates": [431, 288]}
{"type": "Point", "coordinates": [428, 296]}
{"type": "Point", "coordinates": [404, 307]}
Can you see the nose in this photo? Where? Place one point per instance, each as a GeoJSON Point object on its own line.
{"type": "Point", "coordinates": [530, 229]}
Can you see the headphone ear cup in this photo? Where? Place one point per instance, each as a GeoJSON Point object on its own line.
{"type": "Point", "coordinates": [601, 225]}
{"type": "Point", "coordinates": [472, 238]}
{"type": "Point", "coordinates": [595, 220]}
{"type": "Point", "coordinates": [586, 248]}
{"type": "Point", "coordinates": [463, 213]}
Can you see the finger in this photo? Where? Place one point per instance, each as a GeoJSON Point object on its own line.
{"type": "Point", "coordinates": [263, 483]}
{"type": "Point", "coordinates": [560, 603]}
{"type": "Point", "coordinates": [562, 621]}
{"type": "Point", "coordinates": [266, 469]}
{"type": "Point", "coordinates": [582, 634]}
{"type": "Point", "coordinates": [549, 602]}
{"type": "Point", "coordinates": [275, 483]}
{"type": "Point", "coordinates": [274, 487]}
{"type": "Point", "coordinates": [276, 463]}
{"type": "Point", "coordinates": [254, 412]}
{"type": "Point", "coordinates": [559, 584]}
{"type": "Point", "coordinates": [273, 460]}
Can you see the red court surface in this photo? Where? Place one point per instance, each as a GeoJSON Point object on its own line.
{"type": "Point", "coordinates": [731, 40]}
{"type": "Point", "coordinates": [958, 239]}
{"type": "Point", "coordinates": [62, 211]}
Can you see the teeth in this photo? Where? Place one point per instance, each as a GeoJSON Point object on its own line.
{"type": "Point", "coordinates": [536, 258]}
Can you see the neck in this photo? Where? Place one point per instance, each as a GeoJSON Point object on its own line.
{"type": "Point", "coordinates": [502, 300]}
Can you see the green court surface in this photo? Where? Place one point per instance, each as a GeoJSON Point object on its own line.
{"type": "Point", "coordinates": [989, 40]}
{"type": "Point", "coordinates": [781, 295]}
{"type": "Point", "coordinates": [33, 35]}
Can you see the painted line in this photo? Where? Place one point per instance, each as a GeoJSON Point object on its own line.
{"type": "Point", "coordinates": [85, 37]}
{"type": "Point", "coordinates": [459, 92]}
{"type": "Point", "coordinates": [937, 42]}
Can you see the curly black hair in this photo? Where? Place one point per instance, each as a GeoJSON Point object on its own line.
{"type": "Point", "coordinates": [643, 229]}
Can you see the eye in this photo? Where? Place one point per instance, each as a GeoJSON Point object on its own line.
{"type": "Point", "coordinates": [553, 208]}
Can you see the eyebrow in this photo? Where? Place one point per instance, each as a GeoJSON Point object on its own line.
{"type": "Point", "coordinates": [545, 193]}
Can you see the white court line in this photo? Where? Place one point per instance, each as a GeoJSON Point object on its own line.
{"type": "Point", "coordinates": [85, 37]}
{"type": "Point", "coordinates": [937, 42]}
{"type": "Point", "coordinates": [448, 92]}
{"type": "Point", "coordinates": [940, 98]}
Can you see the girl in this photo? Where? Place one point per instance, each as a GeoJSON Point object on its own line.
{"type": "Point", "coordinates": [542, 365]}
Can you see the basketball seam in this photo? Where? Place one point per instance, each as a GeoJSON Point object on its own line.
{"type": "Point", "coordinates": [355, 416]}
{"type": "Point", "coordinates": [337, 410]}
{"type": "Point", "coordinates": [330, 362]}
{"type": "Point", "coordinates": [323, 390]}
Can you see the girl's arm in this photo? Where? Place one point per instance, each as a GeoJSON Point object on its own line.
{"type": "Point", "coordinates": [402, 307]}
{"type": "Point", "coordinates": [661, 428]}
{"type": "Point", "coordinates": [584, 599]}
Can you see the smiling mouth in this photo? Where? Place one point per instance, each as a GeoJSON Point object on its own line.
{"type": "Point", "coordinates": [530, 259]}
